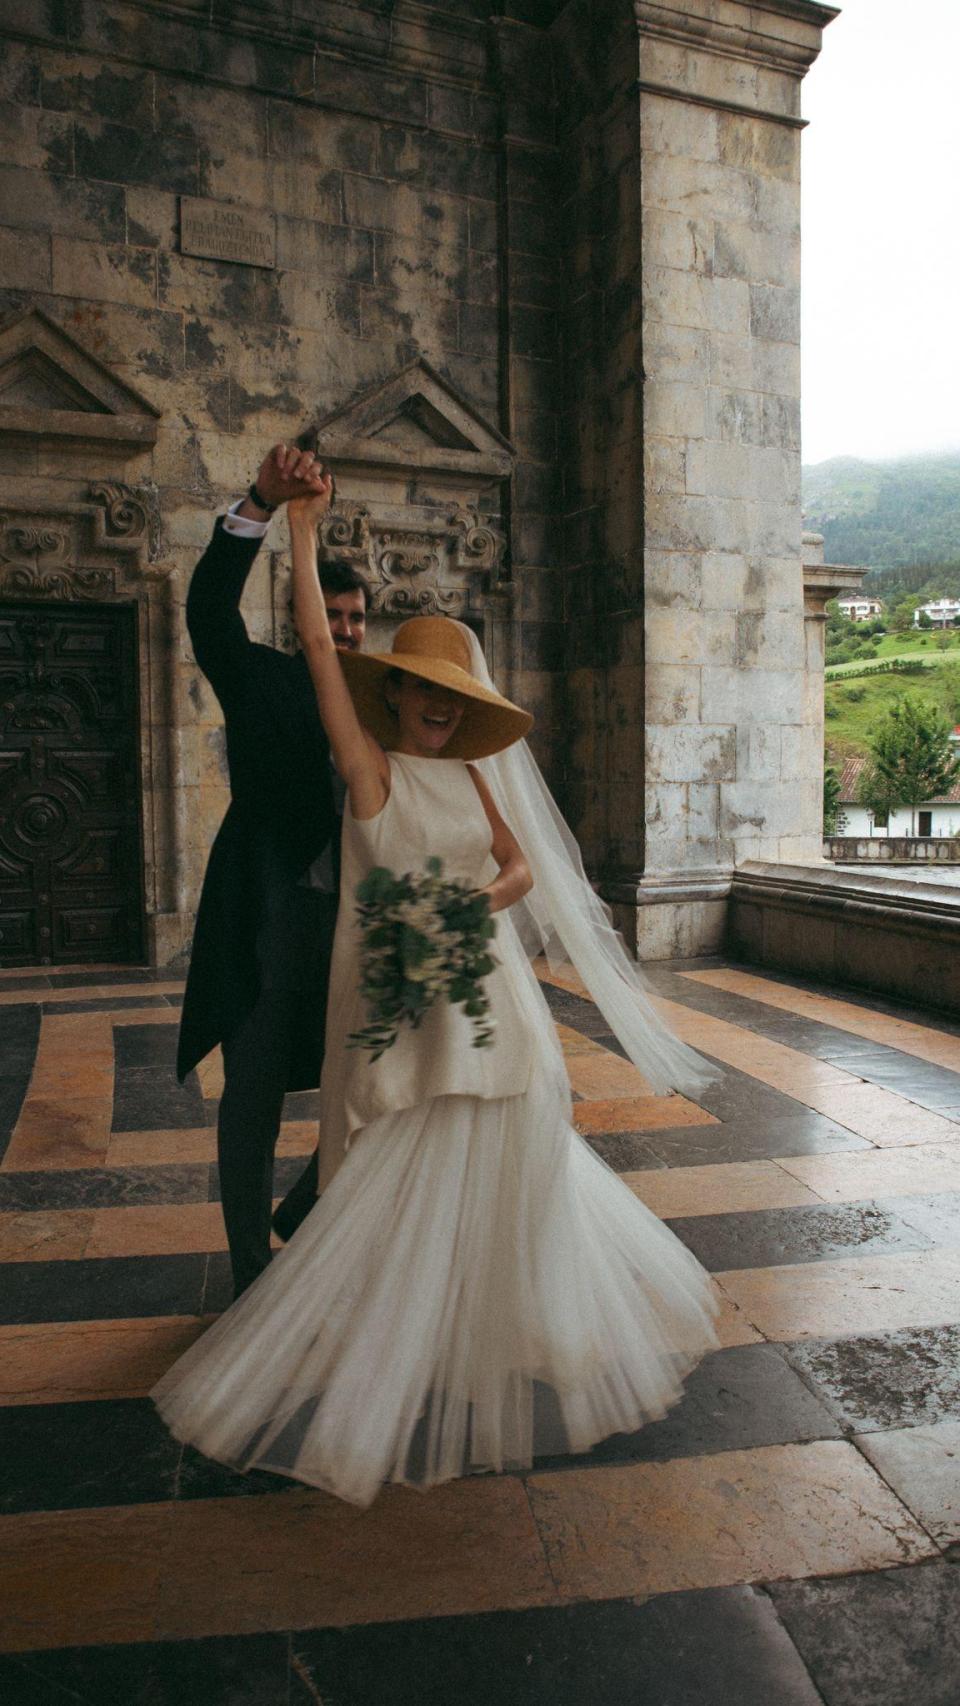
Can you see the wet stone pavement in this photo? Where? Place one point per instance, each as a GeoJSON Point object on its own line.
{"type": "Point", "coordinates": [789, 1535]}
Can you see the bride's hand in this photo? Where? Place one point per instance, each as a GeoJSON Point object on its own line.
{"type": "Point", "coordinates": [312, 509]}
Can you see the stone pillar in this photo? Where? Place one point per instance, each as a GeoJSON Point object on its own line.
{"type": "Point", "coordinates": [821, 582]}
{"type": "Point", "coordinates": [731, 766]}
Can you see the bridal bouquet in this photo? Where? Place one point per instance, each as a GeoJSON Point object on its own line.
{"type": "Point", "coordinates": [423, 939]}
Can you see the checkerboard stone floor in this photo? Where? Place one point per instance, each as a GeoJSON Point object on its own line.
{"type": "Point", "coordinates": [790, 1534]}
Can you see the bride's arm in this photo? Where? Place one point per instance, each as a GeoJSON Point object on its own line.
{"type": "Point", "coordinates": [356, 754]}
{"type": "Point", "coordinates": [514, 880]}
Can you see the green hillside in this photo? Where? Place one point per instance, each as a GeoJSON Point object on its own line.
{"type": "Point", "coordinates": [853, 705]}
{"type": "Point", "coordinates": [901, 518]}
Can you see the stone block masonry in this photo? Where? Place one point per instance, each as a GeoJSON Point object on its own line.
{"type": "Point", "coordinates": [584, 219]}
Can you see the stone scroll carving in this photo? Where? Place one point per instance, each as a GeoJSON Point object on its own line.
{"type": "Point", "coordinates": [77, 550]}
{"type": "Point", "coordinates": [423, 567]}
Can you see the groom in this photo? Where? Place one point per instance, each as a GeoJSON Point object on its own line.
{"type": "Point", "coordinates": [259, 970]}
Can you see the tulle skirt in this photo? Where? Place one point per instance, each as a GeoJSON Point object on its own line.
{"type": "Point", "coordinates": [474, 1289]}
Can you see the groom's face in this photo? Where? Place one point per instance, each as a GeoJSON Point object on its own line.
{"type": "Point", "coordinates": [347, 615]}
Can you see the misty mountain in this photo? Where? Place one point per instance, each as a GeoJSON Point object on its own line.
{"type": "Point", "coordinates": [898, 515]}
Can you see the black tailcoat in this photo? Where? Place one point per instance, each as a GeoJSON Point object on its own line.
{"type": "Point", "coordinates": [281, 815]}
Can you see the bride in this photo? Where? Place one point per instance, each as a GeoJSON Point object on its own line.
{"type": "Point", "coordinates": [474, 1286]}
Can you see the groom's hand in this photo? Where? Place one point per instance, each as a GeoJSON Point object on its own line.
{"type": "Point", "coordinates": [285, 473]}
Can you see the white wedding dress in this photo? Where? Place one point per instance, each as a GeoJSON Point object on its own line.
{"type": "Point", "coordinates": [474, 1287]}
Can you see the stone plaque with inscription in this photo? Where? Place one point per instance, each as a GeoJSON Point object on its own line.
{"type": "Point", "coordinates": [224, 232]}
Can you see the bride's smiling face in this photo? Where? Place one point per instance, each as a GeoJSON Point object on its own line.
{"type": "Point", "coordinates": [428, 714]}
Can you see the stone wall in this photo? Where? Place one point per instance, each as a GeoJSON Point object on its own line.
{"type": "Point", "coordinates": [557, 249]}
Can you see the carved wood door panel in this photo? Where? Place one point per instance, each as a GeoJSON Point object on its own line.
{"type": "Point", "coordinates": [70, 857]}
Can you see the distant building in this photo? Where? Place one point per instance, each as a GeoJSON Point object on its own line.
{"type": "Point", "coordinates": [934, 818]}
{"type": "Point", "coordinates": [860, 609]}
{"type": "Point", "coordinates": [943, 612]}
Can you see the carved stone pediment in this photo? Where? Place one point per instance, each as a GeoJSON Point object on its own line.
{"type": "Point", "coordinates": [416, 421]}
{"type": "Point", "coordinates": [52, 388]}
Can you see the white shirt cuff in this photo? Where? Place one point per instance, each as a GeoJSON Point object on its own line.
{"type": "Point", "coordinates": [241, 525]}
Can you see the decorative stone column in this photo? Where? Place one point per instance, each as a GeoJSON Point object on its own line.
{"type": "Point", "coordinates": [732, 764]}
{"type": "Point", "coordinates": [821, 582]}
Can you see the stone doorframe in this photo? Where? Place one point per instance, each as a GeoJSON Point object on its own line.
{"type": "Point", "coordinates": [101, 551]}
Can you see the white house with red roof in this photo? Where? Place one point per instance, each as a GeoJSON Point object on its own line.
{"type": "Point", "coordinates": [934, 818]}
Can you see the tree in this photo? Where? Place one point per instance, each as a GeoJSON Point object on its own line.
{"type": "Point", "coordinates": [831, 798]}
{"type": "Point", "coordinates": [924, 620]}
{"type": "Point", "coordinates": [912, 758]}
{"type": "Point", "coordinates": [902, 619]}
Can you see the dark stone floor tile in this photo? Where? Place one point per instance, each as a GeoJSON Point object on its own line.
{"type": "Point", "coordinates": [148, 1098]}
{"type": "Point", "coordinates": [217, 1293]}
{"type": "Point", "coordinates": [625, 1151]}
{"type": "Point", "coordinates": [752, 1139]}
{"type": "Point", "coordinates": [106, 1187]}
{"type": "Point", "coordinates": [114, 1006]}
{"type": "Point", "coordinates": [286, 1171]}
{"type": "Point", "coordinates": [891, 1638]}
{"type": "Point", "coordinates": [884, 1380]}
{"type": "Point", "coordinates": [242, 1670]}
{"type": "Point", "coordinates": [145, 1045]}
{"type": "Point", "coordinates": [29, 982]}
{"type": "Point", "coordinates": [937, 1217]}
{"type": "Point", "coordinates": [572, 1010]}
{"type": "Point", "coordinates": [734, 1400]}
{"type": "Point", "coordinates": [108, 1288]}
{"type": "Point", "coordinates": [302, 1105]}
{"type": "Point", "coordinates": [19, 1030]}
{"type": "Point", "coordinates": [763, 1238]}
{"type": "Point", "coordinates": [712, 1648]}
{"type": "Point", "coordinates": [104, 979]}
{"type": "Point", "coordinates": [72, 1456]}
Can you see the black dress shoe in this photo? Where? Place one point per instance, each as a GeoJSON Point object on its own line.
{"type": "Point", "coordinates": [296, 1205]}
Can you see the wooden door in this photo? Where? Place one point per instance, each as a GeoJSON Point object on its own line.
{"type": "Point", "coordinates": [71, 876]}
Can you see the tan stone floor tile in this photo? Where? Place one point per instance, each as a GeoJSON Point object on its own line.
{"type": "Point", "coordinates": [89, 992]}
{"type": "Point", "coordinates": [878, 1172]}
{"type": "Point", "coordinates": [210, 1076]}
{"type": "Point", "coordinates": [44, 1236]}
{"type": "Point", "coordinates": [74, 1074]}
{"type": "Point", "coordinates": [54, 1133]}
{"type": "Point", "coordinates": [196, 1144]}
{"type": "Point", "coordinates": [605, 1077]}
{"type": "Point", "coordinates": [78, 1578]}
{"type": "Point", "coordinates": [562, 977]}
{"type": "Point", "coordinates": [735, 1186]}
{"type": "Point", "coordinates": [731, 1325]}
{"type": "Point", "coordinates": [774, 1512]}
{"type": "Point", "coordinates": [639, 1113]}
{"type": "Point", "coordinates": [852, 1295]}
{"type": "Point", "coordinates": [199, 1567]}
{"type": "Point", "coordinates": [922, 1465]}
{"type": "Point", "coordinates": [163, 1147]}
{"type": "Point", "coordinates": [923, 1041]}
{"type": "Point", "coordinates": [574, 1042]}
{"type": "Point", "coordinates": [144, 1016]}
{"type": "Point", "coordinates": [877, 1114]}
{"type": "Point", "coordinates": [96, 970]}
{"type": "Point", "coordinates": [61, 1362]}
{"type": "Point", "coordinates": [305, 1558]}
{"type": "Point", "coordinates": [157, 1229]}
{"type": "Point", "coordinates": [881, 1115]}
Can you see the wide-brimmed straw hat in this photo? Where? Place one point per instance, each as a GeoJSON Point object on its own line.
{"type": "Point", "coordinates": [433, 648]}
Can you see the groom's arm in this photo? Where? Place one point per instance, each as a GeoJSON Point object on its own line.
{"type": "Point", "coordinates": [221, 644]}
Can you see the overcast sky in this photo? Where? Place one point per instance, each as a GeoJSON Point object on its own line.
{"type": "Point", "coordinates": [881, 232]}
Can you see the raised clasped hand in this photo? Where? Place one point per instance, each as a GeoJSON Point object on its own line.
{"type": "Point", "coordinates": [287, 474]}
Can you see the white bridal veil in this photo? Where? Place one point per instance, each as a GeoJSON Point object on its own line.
{"type": "Point", "coordinates": [563, 918]}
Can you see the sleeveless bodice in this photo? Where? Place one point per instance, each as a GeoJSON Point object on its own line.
{"type": "Point", "coordinates": [433, 810]}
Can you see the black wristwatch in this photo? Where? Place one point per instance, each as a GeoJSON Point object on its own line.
{"type": "Point", "coordinates": [258, 501]}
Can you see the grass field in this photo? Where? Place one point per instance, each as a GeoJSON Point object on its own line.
{"type": "Point", "coordinates": [852, 708]}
